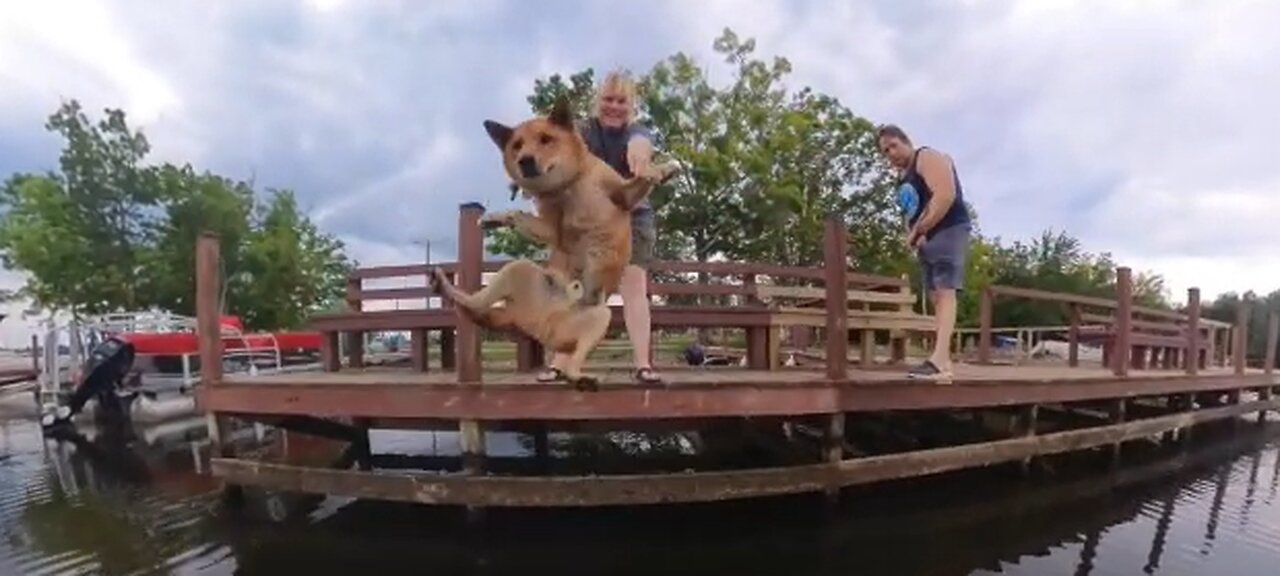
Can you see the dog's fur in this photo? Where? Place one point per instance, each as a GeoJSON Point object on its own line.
{"type": "Point", "coordinates": [583, 205]}
{"type": "Point", "coordinates": [539, 301]}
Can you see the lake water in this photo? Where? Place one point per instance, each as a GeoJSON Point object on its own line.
{"type": "Point", "coordinates": [140, 505]}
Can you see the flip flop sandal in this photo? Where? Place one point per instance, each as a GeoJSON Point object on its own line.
{"type": "Point", "coordinates": [647, 376]}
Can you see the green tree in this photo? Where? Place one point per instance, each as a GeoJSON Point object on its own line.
{"type": "Point", "coordinates": [192, 204]}
{"type": "Point", "coordinates": [290, 268]}
{"type": "Point", "coordinates": [1260, 308]}
{"type": "Point", "coordinates": [107, 232]}
{"type": "Point", "coordinates": [765, 165]}
{"type": "Point", "coordinates": [85, 226]}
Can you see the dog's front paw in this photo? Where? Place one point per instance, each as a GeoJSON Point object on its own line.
{"type": "Point", "coordinates": [436, 278]}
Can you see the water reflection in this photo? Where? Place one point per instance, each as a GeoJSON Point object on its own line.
{"type": "Point", "coordinates": [136, 501]}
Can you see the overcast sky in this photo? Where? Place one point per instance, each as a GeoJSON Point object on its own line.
{"type": "Point", "coordinates": [1142, 127]}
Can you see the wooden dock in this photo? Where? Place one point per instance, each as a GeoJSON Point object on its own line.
{"type": "Point", "coordinates": [1164, 371]}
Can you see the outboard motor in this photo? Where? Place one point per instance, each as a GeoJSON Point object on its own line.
{"type": "Point", "coordinates": [104, 372]}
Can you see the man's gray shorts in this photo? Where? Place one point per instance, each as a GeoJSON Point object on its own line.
{"type": "Point", "coordinates": [943, 257]}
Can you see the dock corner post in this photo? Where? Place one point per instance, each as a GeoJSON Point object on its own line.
{"type": "Point", "coordinates": [1240, 340]}
{"type": "Point", "coordinates": [468, 357]}
{"type": "Point", "coordinates": [209, 337]}
{"type": "Point", "coordinates": [1124, 321]}
{"type": "Point", "coordinates": [1269, 360]}
{"type": "Point", "coordinates": [1273, 334]}
{"type": "Point", "coordinates": [836, 261]}
{"type": "Point", "coordinates": [986, 303]}
{"type": "Point", "coordinates": [1192, 357]}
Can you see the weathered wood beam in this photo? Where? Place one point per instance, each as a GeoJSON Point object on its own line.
{"type": "Point", "coordinates": [699, 486]}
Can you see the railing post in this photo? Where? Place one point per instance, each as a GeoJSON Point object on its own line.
{"type": "Point", "coordinates": [1073, 337]}
{"type": "Point", "coordinates": [1193, 331]}
{"type": "Point", "coordinates": [355, 338]}
{"type": "Point", "coordinates": [1124, 321]}
{"type": "Point", "coordinates": [836, 255]}
{"type": "Point", "coordinates": [470, 256]}
{"type": "Point", "coordinates": [208, 285]}
{"type": "Point", "coordinates": [986, 302]}
{"type": "Point", "coordinates": [1240, 343]}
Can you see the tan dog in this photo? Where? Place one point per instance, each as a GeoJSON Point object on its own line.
{"type": "Point", "coordinates": [583, 204]}
{"type": "Point", "coordinates": [542, 303]}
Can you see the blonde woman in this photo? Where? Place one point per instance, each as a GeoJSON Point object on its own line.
{"type": "Point", "coordinates": [614, 136]}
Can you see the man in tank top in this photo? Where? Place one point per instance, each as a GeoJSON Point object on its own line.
{"type": "Point", "coordinates": [938, 227]}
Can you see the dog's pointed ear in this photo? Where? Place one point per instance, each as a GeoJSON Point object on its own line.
{"type": "Point", "coordinates": [562, 112]}
{"type": "Point", "coordinates": [499, 133]}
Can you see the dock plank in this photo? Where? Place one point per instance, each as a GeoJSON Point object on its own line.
{"type": "Point", "coordinates": [677, 376]}
{"type": "Point", "coordinates": [701, 393]}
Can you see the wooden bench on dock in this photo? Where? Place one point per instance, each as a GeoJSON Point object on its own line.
{"type": "Point", "coordinates": [877, 303]}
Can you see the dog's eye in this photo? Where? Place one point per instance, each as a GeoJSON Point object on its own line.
{"type": "Point", "coordinates": [517, 144]}
{"type": "Point", "coordinates": [544, 139]}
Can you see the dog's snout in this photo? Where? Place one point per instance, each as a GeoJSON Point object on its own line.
{"type": "Point", "coordinates": [528, 167]}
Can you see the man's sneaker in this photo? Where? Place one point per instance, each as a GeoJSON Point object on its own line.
{"type": "Point", "coordinates": [927, 370]}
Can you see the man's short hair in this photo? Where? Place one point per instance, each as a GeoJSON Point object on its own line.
{"type": "Point", "coordinates": [892, 130]}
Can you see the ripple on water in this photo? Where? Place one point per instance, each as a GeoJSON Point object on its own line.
{"type": "Point", "coordinates": [64, 512]}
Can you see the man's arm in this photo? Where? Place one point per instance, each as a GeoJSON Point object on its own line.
{"type": "Point", "coordinates": [935, 168]}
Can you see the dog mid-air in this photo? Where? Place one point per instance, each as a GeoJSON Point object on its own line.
{"type": "Point", "coordinates": [583, 205]}
{"type": "Point", "coordinates": [583, 217]}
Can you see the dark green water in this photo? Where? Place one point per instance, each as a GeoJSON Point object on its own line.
{"type": "Point", "coordinates": [139, 505]}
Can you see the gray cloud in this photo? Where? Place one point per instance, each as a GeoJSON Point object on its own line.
{"type": "Point", "coordinates": [1145, 133]}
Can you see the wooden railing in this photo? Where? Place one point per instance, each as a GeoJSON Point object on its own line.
{"type": "Point", "coordinates": [1132, 336]}
{"type": "Point", "coordinates": [1132, 332]}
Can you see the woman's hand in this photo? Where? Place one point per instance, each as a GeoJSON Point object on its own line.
{"type": "Point", "coordinates": [639, 154]}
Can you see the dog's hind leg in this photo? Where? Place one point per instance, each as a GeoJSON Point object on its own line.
{"type": "Point", "coordinates": [479, 306]}
{"type": "Point", "coordinates": [588, 326]}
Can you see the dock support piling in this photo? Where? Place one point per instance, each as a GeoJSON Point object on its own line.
{"type": "Point", "coordinates": [1119, 411]}
{"type": "Point", "coordinates": [1030, 418]}
{"type": "Point", "coordinates": [1269, 359]}
{"type": "Point", "coordinates": [833, 450]}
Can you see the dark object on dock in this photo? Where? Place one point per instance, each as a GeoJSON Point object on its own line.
{"type": "Point", "coordinates": [1157, 363]}
{"type": "Point", "coordinates": [104, 371]}
{"type": "Point", "coordinates": [696, 355]}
